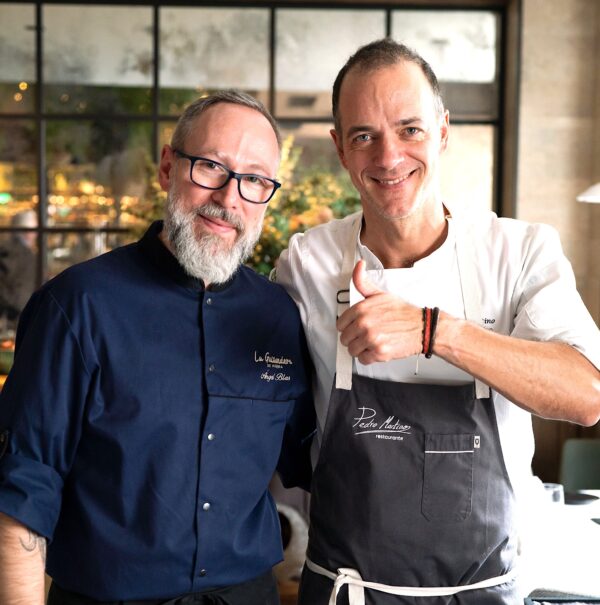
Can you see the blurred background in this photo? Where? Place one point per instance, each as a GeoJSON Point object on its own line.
{"type": "Point", "coordinates": [89, 93]}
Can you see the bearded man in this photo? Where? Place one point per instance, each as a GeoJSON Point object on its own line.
{"type": "Point", "coordinates": [144, 415]}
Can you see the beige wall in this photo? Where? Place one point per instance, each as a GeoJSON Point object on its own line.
{"type": "Point", "coordinates": [559, 156]}
{"type": "Point", "coordinates": [559, 130]}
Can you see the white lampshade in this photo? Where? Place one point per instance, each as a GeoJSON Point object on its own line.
{"type": "Point", "coordinates": [590, 195]}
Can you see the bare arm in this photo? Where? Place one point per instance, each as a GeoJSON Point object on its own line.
{"type": "Point", "coordinates": [22, 562]}
{"type": "Point", "coordinates": [549, 379]}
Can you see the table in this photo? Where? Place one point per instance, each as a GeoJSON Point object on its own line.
{"type": "Point", "coordinates": [561, 549]}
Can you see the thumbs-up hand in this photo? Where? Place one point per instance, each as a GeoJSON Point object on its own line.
{"type": "Point", "coordinates": [362, 282]}
{"type": "Point", "coordinates": [382, 326]}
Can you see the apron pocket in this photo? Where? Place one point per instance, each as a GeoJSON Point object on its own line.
{"type": "Point", "coordinates": [447, 477]}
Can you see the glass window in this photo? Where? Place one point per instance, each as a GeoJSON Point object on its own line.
{"type": "Point", "coordinates": [66, 249]}
{"type": "Point", "coordinates": [97, 59]}
{"type": "Point", "coordinates": [311, 47]}
{"type": "Point", "coordinates": [467, 166]}
{"type": "Point", "coordinates": [208, 49]}
{"type": "Point", "coordinates": [97, 170]}
{"type": "Point", "coordinates": [460, 46]}
{"type": "Point", "coordinates": [18, 269]}
{"type": "Point", "coordinates": [18, 172]}
{"type": "Point", "coordinates": [17, 49]}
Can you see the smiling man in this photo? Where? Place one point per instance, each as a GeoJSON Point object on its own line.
{"type": "Point", "coordinates": [140, 425]}
{"type": "Point", "coordinates": [459, 327]}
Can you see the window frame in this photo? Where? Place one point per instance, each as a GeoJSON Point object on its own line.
{"type": "Point", "coordinates": [505, 124]}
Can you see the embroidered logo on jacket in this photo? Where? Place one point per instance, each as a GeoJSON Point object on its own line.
{"type": "Point", "coordinates": [368, 423]}
{"type": "Point", "coordinates": [273, 366]}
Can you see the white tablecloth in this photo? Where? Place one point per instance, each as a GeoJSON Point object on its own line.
{"type": "Point", "coordinates": [561, 547]}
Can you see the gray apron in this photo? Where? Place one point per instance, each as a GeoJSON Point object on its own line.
{"type": "Point", "coordinates": [411, 501]}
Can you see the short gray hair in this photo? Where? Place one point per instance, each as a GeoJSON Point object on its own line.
{"type": "Point", "coordinates": [194, 110]}
{"type": "Point", "coordinates": [374, 56]}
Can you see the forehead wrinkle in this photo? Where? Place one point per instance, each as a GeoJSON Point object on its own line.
{"type": "Point", "coordinates": [225, 158]}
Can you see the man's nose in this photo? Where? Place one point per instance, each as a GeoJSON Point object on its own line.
{"type": "Point", "coordinates": [390, 152]}
{"type": "Point", "coordinates": [228, 196]}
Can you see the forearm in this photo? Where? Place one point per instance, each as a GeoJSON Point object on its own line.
{"type": "Point", "coordinates": [549, 379]}
{"type": "Point", "coordinates": [22, 562]}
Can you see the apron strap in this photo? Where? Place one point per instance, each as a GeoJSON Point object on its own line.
{"type": "Point", "coordinates": [356, 585]}
{"type": "Point", "coordinates": [466, 253]}
{"type": "Point", "coordinates": [343, 359]}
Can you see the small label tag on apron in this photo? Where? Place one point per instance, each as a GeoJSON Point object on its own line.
{"type": "Point", "coordinates": [476, 442]}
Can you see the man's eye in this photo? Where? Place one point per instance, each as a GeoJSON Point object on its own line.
{"type": "Point", "coordinates": [362, 138]}
{"type": "Point", "coordinates": [411, 131]}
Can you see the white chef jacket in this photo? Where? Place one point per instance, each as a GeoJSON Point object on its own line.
{"type": "Point", "coordinates": [527, 289]}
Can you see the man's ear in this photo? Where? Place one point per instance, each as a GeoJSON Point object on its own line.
{"type": "Point", "coordinates": [445, 130]}
{"type": "Point", "coordinates": [165, 167]}
{"type": "Point", "coordinates": [338, 146]}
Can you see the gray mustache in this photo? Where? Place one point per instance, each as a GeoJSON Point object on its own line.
{"type": "Point", "coordinates": [210, 210]}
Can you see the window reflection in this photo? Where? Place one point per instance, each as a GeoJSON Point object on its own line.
{"type": "Point", "coordinates": [18, 269]}
{"type": "Point", "coordinates": [467, 167]}
{"type": "Point", "coordinates": [18, 173]}
{"type": "Point", "coordinates": [460, 46]}
{"type": "Point", "coordinates": [311, 47]}
{"type": "Point", "coordinates": [66, 249]}
{"type": "Point", "coordinates": [97, 59]}
{"type": "Point", "coordinates": [17, 49]}
{"type": "Point", "coordinates": [207, 49]}
{"type": "Point", "coordinates": [97, 171]}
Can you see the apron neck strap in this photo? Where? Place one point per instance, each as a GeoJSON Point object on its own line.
{"type": "Point", "coordinates": [343, 359]}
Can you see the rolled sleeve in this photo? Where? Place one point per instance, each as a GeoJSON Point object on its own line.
{"type": "Point", "coordinates": [41, 410]}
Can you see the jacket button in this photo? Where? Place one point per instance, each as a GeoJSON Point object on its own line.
{"type": "Point", "coordinates": [211, 437]}
{"type": "Point", "coordinates": [211, 368]}
{"type": "Point", "coordinates": [203, 572]}
{"type": "Point", "coordinates": [209, 301]}
{"type": "Point", "coordinates": [206, 506]}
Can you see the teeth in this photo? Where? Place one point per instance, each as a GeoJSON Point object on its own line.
{"type": "Point", "coordinates": [394, 181]}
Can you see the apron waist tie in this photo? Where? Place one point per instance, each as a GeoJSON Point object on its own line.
{"type": "Point", "coordinates": [356, 585]}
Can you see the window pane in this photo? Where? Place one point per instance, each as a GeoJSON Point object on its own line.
{"type": "Point", "coordinates": [18, 173]}
{"type": "Point", "coordinates": [460, 46]}
{"type": "Point", "coordinates": [468, 167]}
{"type": "Point", "coordinates": [312, 46]}
{"type": "Point", "coordinates": [165, 133]}
{"type": "Point", "coordinates": [17, 49]}
{"type": "Point", "coordinates": [66, 249]}
{"type": "Point", "coordinates": [97, 59]}
{"type": "Point", "coordinates": [97, 171]}
{"type": "Point", "coordinates": [207, 49]}
{"type": "Point", "coordinates": [18, 269]}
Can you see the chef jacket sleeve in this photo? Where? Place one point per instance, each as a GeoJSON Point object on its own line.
{"type": "Point", "coordinates": [548, 306]}
{"type": "Point", "coordinates": [41, 410]}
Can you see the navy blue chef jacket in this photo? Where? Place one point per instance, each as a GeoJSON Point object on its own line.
{"type": "Point", "coordinates": [143, 420]}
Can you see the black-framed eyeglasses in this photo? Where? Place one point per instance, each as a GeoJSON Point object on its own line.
{"type": "Point", "coordinates": [209, 174]}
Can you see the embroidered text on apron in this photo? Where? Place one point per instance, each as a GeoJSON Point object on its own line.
{"type": "Point", "coordinates": [411, 501]}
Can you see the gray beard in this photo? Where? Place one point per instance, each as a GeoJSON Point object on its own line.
{"type": "Point", "coordinates": [209, 257]}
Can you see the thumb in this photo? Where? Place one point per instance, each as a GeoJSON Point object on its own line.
{"type": "Point", "coordinates": [362, 283]}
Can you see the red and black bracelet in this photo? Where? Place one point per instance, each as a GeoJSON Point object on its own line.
{"type": "Point", "coordinates": [430, 319]}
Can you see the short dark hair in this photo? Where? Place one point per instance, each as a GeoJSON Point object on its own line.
{"type": "Point", "coordinates": [195, 109]}
{"type": "Point", "coordinates": [378, 54]}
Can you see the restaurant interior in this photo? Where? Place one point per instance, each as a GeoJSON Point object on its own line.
{"type": "Point", "coordinates": [90, 92]}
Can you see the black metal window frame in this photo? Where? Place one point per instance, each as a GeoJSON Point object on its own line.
{"type": "Point", "coordinates": [41, 118]}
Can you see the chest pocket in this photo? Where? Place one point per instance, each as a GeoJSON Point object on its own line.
{"type": "Point", "coordinates": [448, 477]}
